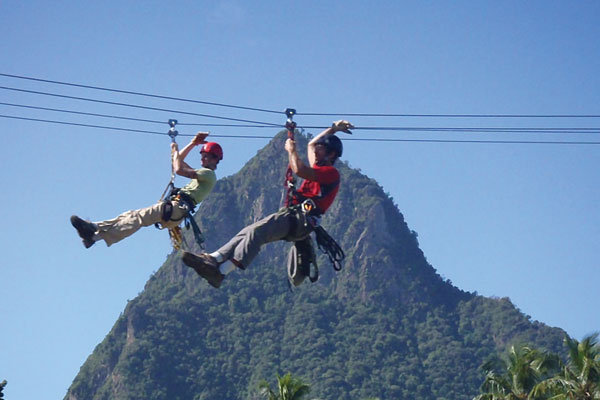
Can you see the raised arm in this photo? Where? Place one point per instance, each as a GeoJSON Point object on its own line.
{"type": "Point", "coordinates": [337, 126]}
{"type": "Point", "coordinates": [179, 165]}
{"type": "Point", "coordinates": [296, 164]}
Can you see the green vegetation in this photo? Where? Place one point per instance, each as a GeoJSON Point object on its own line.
{"type": "Point", "coordinates": [288, 388]}
{"type": "Point", "coordinates": [526, 373]}
{"type": "Point", "coordinates": [387, 326]}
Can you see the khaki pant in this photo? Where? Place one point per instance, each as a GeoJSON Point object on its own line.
{"type": "Point", "coordinates": [244, 246]}
{"type": "Point", "coordinates": [126, 224]}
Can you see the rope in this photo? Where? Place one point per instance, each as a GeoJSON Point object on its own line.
{"type": "Point", "coordinates": [330, 247]}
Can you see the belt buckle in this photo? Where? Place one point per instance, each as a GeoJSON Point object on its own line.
{"type": "Point", "coordinates": [308, 206]}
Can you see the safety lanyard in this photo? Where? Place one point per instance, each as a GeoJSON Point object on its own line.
{"type": "Point", "coordinates": [290, 180]}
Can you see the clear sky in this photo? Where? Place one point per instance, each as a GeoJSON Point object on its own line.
{"type": "Point", "coordinates": [506, 220]}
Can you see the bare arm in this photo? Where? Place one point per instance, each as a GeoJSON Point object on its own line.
{"type": "Point", "coordinates": [179, 165]}
{"type": "Point", "coordinates": [297, 166]}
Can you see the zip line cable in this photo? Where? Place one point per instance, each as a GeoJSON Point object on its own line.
{"type": "Point", "coordinates": [128, 118]}
{"type": "Point", "coordinates": [467, 129]}
{"type": "Point", "coordinates": [348, 139]}
{"type": "Point", "coordinates": [260, 124]}
{"type": "Point", "coordinates": [453, 115]}
{"type": "Point", "coordinates": [137, 106]}
{"type": "Point", "coordinates": [125, 129]}
{"type": "Point", "coordinates": [406, 115]}
{"type": "Point", "coordinates": [380, 128]}
{"type": "Point", "coordinates": [141, 94]}
{"type": "Point", "coordinates": [81, 113]}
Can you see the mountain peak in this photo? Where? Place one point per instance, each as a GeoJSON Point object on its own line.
{"type": "Point", "coordinates": [387, 310]}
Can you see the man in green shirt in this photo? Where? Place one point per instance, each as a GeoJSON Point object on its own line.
{"type": "Point", "coordinates": [168, 214]}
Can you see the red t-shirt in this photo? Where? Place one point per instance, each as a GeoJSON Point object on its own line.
{"type": "Point", "coordinates": [323, 190]}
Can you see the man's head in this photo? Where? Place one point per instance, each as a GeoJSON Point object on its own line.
{"type": "Point", "coordinates": [211, 153]}
{"type": "Point", "coordinates": [328, 149]}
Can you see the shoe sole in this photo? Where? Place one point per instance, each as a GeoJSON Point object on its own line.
{"type": "Point", "coordinates": [199, 265]}
{"type": "Point", "coordinates": [82, 228]}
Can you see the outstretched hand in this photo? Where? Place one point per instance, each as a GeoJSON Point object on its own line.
{"type": "Point", "coordinates": [342, 126]}
{"type": "Point", "coordinates": [200, 138]}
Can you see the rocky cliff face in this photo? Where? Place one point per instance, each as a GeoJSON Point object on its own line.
{"type": "Point", "coordinates": [387, 325]}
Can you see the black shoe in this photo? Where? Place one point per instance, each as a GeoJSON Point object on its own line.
{"type": "Point", "coordinates": [85, 229]}
{"type": "Point", "coordinates": [206, 266]}
{"type": "Point", "coordinates": [88, 242]}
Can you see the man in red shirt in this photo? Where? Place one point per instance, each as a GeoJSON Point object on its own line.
{"type": "Point", "coordinates": [313, 198]}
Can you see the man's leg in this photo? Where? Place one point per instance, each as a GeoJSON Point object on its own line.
{"type": "Point", "coordinates": [126, 224]}
{"type": "Point", "coordinates": [244, 246]}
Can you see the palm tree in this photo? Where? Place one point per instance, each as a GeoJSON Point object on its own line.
{"type": "Point", "coordinates": [580, 378]}
{"type": "Point", "coordinates": [288, 388]}
{"type": "Point", "coordinates": [517, 375]}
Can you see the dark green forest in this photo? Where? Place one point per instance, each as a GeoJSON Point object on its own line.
{"type": "Point", "coordinates": [387, 326]}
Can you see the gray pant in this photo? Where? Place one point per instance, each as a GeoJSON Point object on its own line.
{"type": "Point", "coordinates": [244, 246]}
{"type": "Point", "coordinates": [126, 224]}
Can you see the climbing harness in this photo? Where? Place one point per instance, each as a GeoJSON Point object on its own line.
{"type": "Point", "coordinates": [182, 199]}
{"type": "Point", "coordinates": [175, 195]}
{"type": "Point", "coordinates": [302, 254]}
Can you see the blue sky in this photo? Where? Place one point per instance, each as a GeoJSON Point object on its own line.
{"type": "Point", "coordinates": [506, 220]}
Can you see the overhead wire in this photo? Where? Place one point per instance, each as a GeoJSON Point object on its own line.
{"type": "Point", "coordinates": [82, 113]}
{"type": "Point", "coordinates": [128, 118]}
{"type": "Point", "coordinates": [114, 103]}
{"type": "Point", "coordinates": [451, 115]}
{"type": "Point", "coordinates": [156, 96]}
{"type": "Point", "coordinates": [245, 123]}
{"type": "Point", "coordinates": [573, 130]}
{"type": "Point", "coordinates": [470, 129]}
{"type": "Point", "coordinates": [123, 129]}
{"type": "Point", "coordinates": [406, 115]}
{"type": "Point", "coordinates": [348, 139]}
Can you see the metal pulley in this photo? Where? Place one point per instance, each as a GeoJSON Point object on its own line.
{"type": "Point", "coordinates": [290, 125]}
{"type": "Point", "coordinates": [172, 131]}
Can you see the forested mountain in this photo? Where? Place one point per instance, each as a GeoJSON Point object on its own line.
{"type": "Point", "coordinates": [386, 326]}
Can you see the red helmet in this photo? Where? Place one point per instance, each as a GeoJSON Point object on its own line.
{"type": "Point", "coordinates": [213, 148]}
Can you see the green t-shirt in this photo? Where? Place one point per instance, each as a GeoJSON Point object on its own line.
{"type": "Point", "coordinates": [200, 187]}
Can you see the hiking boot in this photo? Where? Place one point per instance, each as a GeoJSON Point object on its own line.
{"type": "Point", "coordinates": [85, 229]}
{"type": "Point", "coordinates": [206, 266]}
{"type": "Point", "coordinates": [88, 242]}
